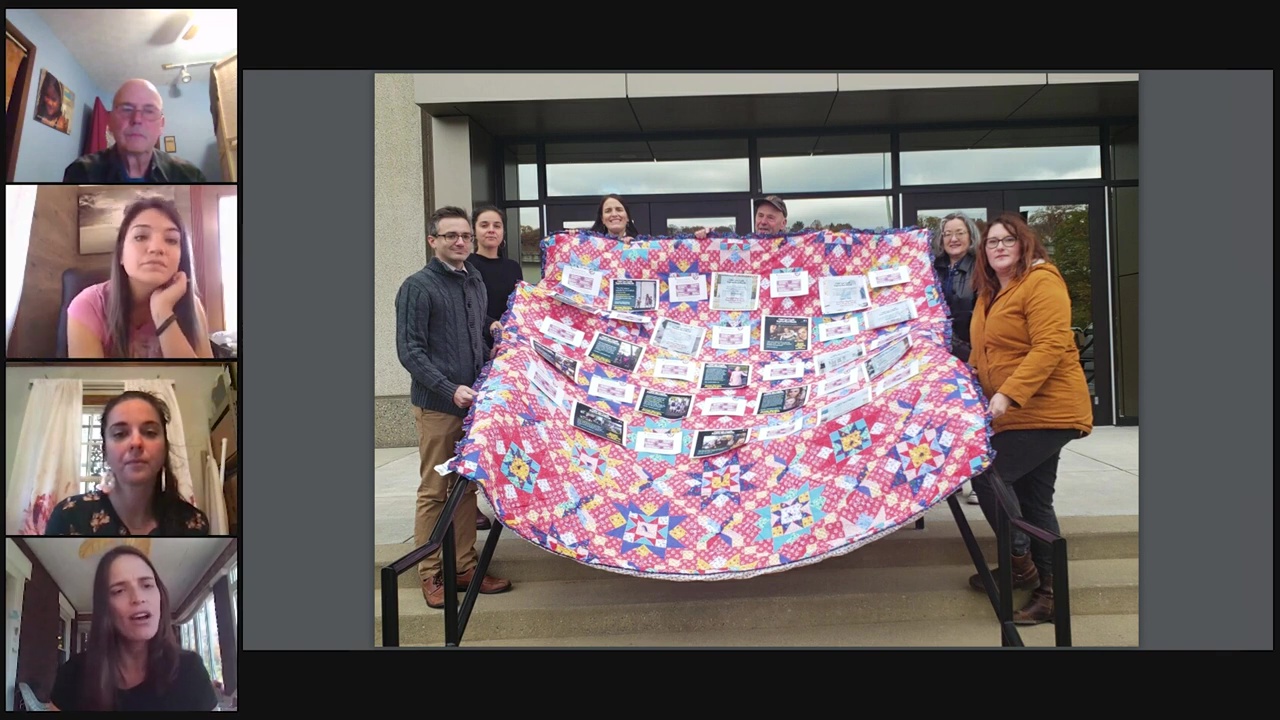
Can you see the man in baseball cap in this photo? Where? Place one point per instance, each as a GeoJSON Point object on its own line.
{"type": "Point", "coordinates": [771, 217]}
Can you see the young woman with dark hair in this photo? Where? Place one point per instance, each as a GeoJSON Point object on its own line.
{"type": "Point", "coordinates": [149, 307]}
{"type": "Point", "coordinates": [133, 661]}
{"type": "Point", "coordinates": [140, 493]}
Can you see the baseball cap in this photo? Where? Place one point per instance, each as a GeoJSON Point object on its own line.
{"type": "Point", "coordinates": [775, 201]}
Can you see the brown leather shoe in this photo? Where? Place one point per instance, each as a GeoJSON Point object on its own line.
{"type": "Point", "coordinates": [1040, 608]}
{"type": "Point", "coordinates": [433, 591]}
{"type": "Point", "coordinates": [1025, 574]}
{"type": "Point", "coordinates": [489, 585]}
{"type": "Point", "coordinates": [482, 522]}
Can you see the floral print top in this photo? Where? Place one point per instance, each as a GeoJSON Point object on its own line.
{"type": "Point", "coordinates": [93, 514]}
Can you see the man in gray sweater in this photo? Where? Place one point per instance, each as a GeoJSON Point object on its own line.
{"type": "Point", "coordinates": [441, 326]}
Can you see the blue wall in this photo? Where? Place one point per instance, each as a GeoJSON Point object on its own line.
{"type": "Point", "coordinates": [189, 119]}
{"type": "Point", "coordinates": [45, 153]}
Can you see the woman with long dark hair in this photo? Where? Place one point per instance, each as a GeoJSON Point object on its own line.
{"type": "Point", "coordinates": [140, 493]}
{"type": "Point", "coordinates": [613, 218]}
{"type": "Point", "coordinates": [501, 275]}
{"type": "Point", "coordinates": [149, 307]}
{"type": "Point", "coordinates": [133, 661]}
{"type": "Point", "coordinates": [1026, 359]}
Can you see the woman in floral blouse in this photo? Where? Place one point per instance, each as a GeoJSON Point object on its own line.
{"type": "Point", "coordinates": [140, 493]}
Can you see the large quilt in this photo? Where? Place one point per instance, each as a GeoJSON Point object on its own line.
{"type": "Point", "coordinates": [722, 408]}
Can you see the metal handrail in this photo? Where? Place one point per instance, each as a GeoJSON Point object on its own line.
{"type": "Point", "coordinates": [1000, 590]}
{"type": "Point", "coordinates": [456, 615]}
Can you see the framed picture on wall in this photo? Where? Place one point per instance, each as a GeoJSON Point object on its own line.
{"type": "Point", "coordinates": [170, 144]}
{"type": "Point", "coordinates": [55, 104]}
{"type": "Point", "coordinates": [101, 210]}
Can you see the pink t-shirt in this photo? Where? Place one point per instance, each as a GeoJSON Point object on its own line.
{"type": "Point", "coordinates": [90, 309]}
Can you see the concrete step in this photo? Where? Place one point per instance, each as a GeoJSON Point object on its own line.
{"type": "Point", "coordinates": [939, 543]}
{"type": "Point", "coordinates": [1086, 631]}
{"type": "Point", "coordinates": [814, 596]}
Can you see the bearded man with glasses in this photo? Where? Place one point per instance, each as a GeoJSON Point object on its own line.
{"type": "Point", "coordinates": [136, 122]}
{"type": "Point", "coordinates": [441, 332]}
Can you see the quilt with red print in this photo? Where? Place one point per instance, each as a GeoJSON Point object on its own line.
{"type": "Point", "coordinates": [726, 407]}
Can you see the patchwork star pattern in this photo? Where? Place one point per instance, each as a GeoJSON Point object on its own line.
{"type": "Point", "coordinates": [791, 515]}
{"type": "Point", "coordinates": [519, 469]}
{"type": "Point", "coordinates": [851, 439]}
{"type": "Point", "coordinates": [920, 456]}
{"type": "Point", "coordinates": [723, 477]}
{"type": "Point", "coordinates": [726, 505]}
{"type": "Point", "coordinates": [653, 532]}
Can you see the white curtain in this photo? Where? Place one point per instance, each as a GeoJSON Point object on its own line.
{"type": "Point", "coordinates": [217, 510]}
{"type": "Point", "coordinates": [178, 455]}
{"type": "Point", "coordinates": [19, 208]}
{"type": "Point", "coordinates": [46, 469]}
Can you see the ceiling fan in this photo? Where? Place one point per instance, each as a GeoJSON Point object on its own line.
{"type": "Point", "coordinates": [188, 23]}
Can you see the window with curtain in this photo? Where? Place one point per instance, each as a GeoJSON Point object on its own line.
{"type": "Point", "coordinates": [92, 462]}
{"type": "Point", "coordinates": [200, 635]}
{"type": "Point", "coordinates": [215, 242]}
{"type": "Point", "coordinates": [232, 579]}
{"type": "Point", "coordinates": [19, 209]}
{"type": "Point", "coordinates": [64, 640]}
{"type": "Point", "coordinates": [228, 247]}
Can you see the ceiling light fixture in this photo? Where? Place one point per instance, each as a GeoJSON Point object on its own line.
{"type": "Point", "coordinates": [185, 76]}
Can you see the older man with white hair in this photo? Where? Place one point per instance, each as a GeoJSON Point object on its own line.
{"type": "Point", "coordinates": [136, 122]}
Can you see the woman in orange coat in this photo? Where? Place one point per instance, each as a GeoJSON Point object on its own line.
{"type": "Point", "coordinates": [1027, 362]}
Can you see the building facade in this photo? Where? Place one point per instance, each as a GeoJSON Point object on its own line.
{"type": "Point", "coordinates": [845, 150]}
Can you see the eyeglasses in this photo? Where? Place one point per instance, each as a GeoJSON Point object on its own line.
{"type": "Point", "coordinates": [455, 237]}
{"type": "Point", "coordinates": [1008, 241]}
{"type": "Point", "coordinates": [150, 113]}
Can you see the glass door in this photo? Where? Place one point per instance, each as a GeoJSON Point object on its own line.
{"type": "Point", "coordinates": [685, 218]}
{"type": "Point", "coordinates": [1072, 224]}
{"type": "Point", "coordinates": [583, 216]}
{"type": "Point", "coordinates": [928, 209]}
{"type": "Point", "coordinates": [578, 216]}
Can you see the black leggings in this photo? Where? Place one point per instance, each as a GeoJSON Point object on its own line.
{"type": "Point", "coordinates": [1027, 461]}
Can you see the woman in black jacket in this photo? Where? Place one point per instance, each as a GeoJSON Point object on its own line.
{"type": "Point", "coordinates": [953, 260]}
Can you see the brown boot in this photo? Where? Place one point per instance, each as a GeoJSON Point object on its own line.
{"type": "Point", "coordinates": [1040, 608]}
{"type": "Point", "coordinates": [1025, 574]}
{"type": "Point", "coordinates": [433, 590]}
{"type": "Point", "coordinates": [482, 522]}
{"type": "Point", "coordinates": [490, 585]}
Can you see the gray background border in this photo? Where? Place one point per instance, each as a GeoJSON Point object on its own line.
{"type": "Point", "coordinates": [1206, 295]}
{"type": "Point", "coordinates": [1205, 211]}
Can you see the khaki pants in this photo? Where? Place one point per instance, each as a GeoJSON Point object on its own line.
{"type": "Point", "coordinates": [438, 434]}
